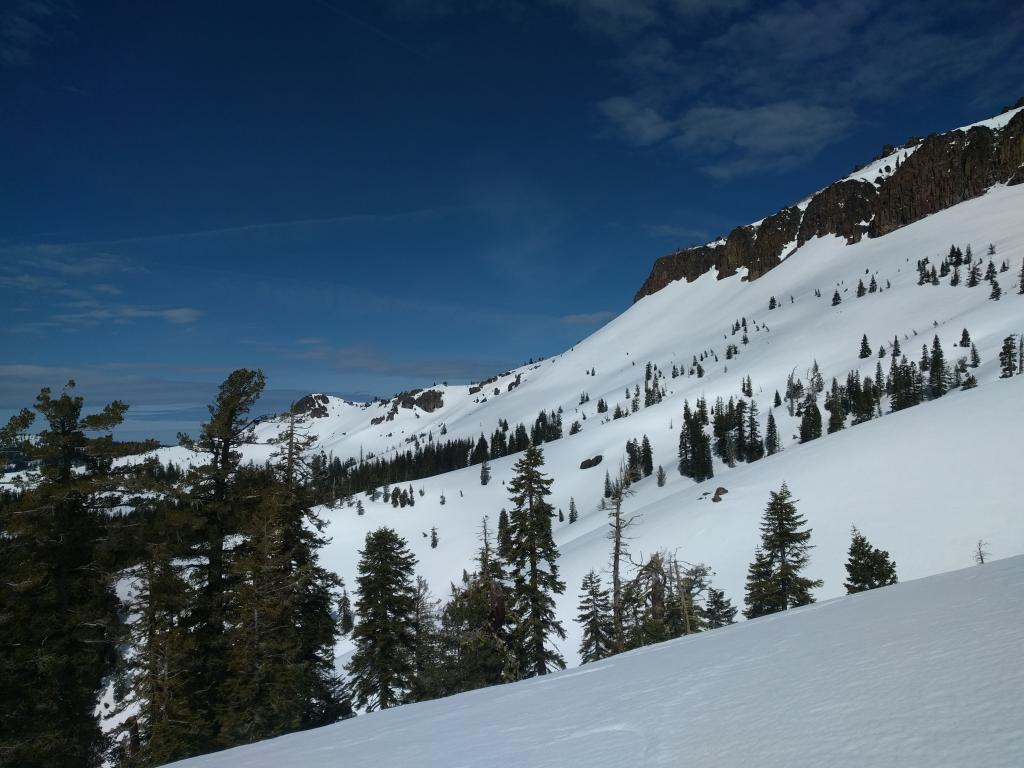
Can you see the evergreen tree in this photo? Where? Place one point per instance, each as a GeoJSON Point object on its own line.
{"type": "Point", "coordinates": [836, 299]}
{"type": "Point", "coordinates": [475, 640]}
{"type": "Point", "coordinates": [646, 457]}
{"type": "Point", "coordinates": [1008, 357]}
{"type": "Point", "coordinates": [573, 512]}
{"type": "Point", "coordinates": [867, 567]}
{"type": "Point", "coordinates": [771, 436]}
{"type": "Point", "coordinates": [837, 411]}
{"type": "Point", "coordinates": [58, 622]}
{"type": "Point", "coordinates": [865, 348]}
{"type": "Point", "coordinates": [810, 422]}
{"type": "Point", "coordinates": [533, 559]}
{"type": "Point", "coordinates": [660, 477]}
{"type": "Point", "coordinates": [996, 292]}
{"type": "Point", "coordinates": [381, 669]}
{"type": "Point", "coordinates": [938, 371]}
{"type": "Point", "coordinates": [774, 582]}
{"type": "Point", "coordinates": [485, 472]}
{"type": "Point", "coordinates": [596, 620]}
{"type": "Point", "coordinates": [718, 610]}
{"type": "Point", "coordinates": [218, 509]}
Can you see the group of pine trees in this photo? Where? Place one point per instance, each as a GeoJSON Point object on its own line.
{"type": "Point", "coordinates": [233, 619]}
{"type": "Point", "coordinates": [775, 580]}
{"type": "Point", "coordinates": [927, 274]}
{"type": "Point", "coordinates": [499, 624]}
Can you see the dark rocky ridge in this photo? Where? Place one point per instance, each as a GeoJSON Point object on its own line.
{"type": "Point", "coordinates": [944, 170]}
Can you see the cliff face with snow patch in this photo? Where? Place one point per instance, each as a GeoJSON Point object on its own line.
{"type": "Point", "coordinates": [918, 179]}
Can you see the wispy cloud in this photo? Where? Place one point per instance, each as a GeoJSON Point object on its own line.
{"type": "Point", "coordinates": [27, 25]}
{"type": "Point", "coordinates": [745, 88]}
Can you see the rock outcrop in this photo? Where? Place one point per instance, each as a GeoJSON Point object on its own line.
{"type": "Point", "coordinates": [942, 170]}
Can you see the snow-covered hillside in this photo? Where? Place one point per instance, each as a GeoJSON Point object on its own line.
{"type": "Point", "coordinates": [925, 483]}
{"type": "Point", "coordinates": [925, 673]}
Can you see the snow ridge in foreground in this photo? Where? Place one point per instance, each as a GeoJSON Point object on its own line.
{"type": "Point", "coordinates": [925, 673]}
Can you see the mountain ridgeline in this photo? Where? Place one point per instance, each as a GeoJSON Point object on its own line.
{"type": "Point", "coordinates": [920, 178]}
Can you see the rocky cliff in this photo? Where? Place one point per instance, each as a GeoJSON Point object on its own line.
{"type": "Point", "coordinates": [910, 182]}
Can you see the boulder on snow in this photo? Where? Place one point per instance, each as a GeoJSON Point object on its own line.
{"type": "Point", "coordinates": [588, 463]}
{"type": "Point", "coordinates": [719, 493]}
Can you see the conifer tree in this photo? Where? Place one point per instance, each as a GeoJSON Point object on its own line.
{"type": "Point", "coordinates": [660, 477]}
{"type": "Point", "coordinates": [596, 620]}
{"type": "Point", "coordinates": [1008, 357]}
{"type": "Point", "coordinates": [533, 563]}
{"type": "Point", "coordinates": [573, 512]}
{"type": "Point", "coordinates": [996, 292]}
{"type": "Point", "coordinates": [381, 669]}
{"type": "Point", "coordinates": [865, 348]}
{"type": "Point", "coordinates": [771, 436]}
{"type": "Point", "coordinates": [485, 472]}
{"type": "Point", "coordinates": [718, 609]}
{"type": "Point", "coordinates": [836, 299]}
{"type": "Point", "coordinates": [646, 457]}
{"type": "Point", "coordinates": [774, 582]}
{"type": "Point", "coordinates": [218, 508]}
{"type": "Point", "coordinates": [810, 422]}
{"type": "Point", "coordinates": [867, 567]}
{"type": "Point", "coordinates": [58, 622]}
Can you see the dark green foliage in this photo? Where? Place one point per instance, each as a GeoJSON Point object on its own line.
{"type": "Point", "coordinates": [865, 347]}
{"type": "Point", "coordinates": [58, 620]}
{"type": "Point", "coordinates": [573, 512]}
{"type": "Point", "coordinates": [867, 567]}
{"type": "Point", "coordinates": [774, 582]}
{"type": "Point", "coordinates": [381, 669]}
{"type": "Point", "coordinates": [810, 422]}
{"type": "Point", "coordinates": [771, 436]}
{"type": "Point", "coordinates": [595, 616]}
{"type": "Point", "coordinates": [718, 609]}
{"type": "Point", "coordinates": [1008, 357]}
{"type": "Point", "coordinates": [646, 457]}
{"type": "Point", "coordinates": [694, 448]}
{"type": "Point", "coordinates": [532, 559]}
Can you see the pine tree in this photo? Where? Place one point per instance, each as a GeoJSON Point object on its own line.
{"type": "Point", "coordinates": [596, 620]}
{"type": "Point", "coordinates": [938, 371]}
{"type": "Point", "coordinates": [867, 567]}
{"type": "Point", "coordinates": [810, 422]}
{"type": "Point", "coordinates": [660, 477]}
{"type": "Point", "coordinates": [533, 559]}
{"type": "Point", "coordinates": [774, 582]}
{"type": "Point", "coordinates": [771, 436]}
{"type": "Point", "coordinates": [865, 348]}
{"type": "Point", "coordinates": [217, 510]}
{"type": "Point", "coordinates": [573, 513]}
{"type": "Point", "coordinates": [58, 622]}
{"type": "Point", "coordinates": [718, 610]}
{"type": "Point", "coordinates": [1008, 357]}
{"type": "Point", "coordinates": [646, 457]}
{"type": "Point", "coordinates": [975, 357]}
{"type": "Point", "coordinates": [485, 472]}
{"type": "Point", "coordinates": [381, 669]}
{"type": "Point", "coordinates": [996, 292]}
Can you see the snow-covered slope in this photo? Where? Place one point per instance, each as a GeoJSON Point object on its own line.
{"type": "Point", "coordinates": [925, 483]}
{"type": "Point", "coordinates": [925, 673]}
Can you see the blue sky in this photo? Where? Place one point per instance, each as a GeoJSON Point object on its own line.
{"type": "Point", "coordinates": [364, 197]}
